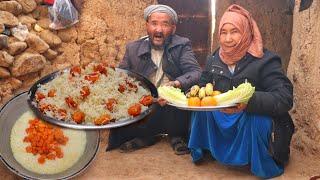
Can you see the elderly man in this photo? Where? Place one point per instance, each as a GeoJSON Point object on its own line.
{"type": "Point", "coordinates": [165, 59]}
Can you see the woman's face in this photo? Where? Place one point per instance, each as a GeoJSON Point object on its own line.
{"type": "Point", "coordinates": [230, 36]}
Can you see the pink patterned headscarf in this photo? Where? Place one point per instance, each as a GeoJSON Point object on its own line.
{"type": "Point", "coordinates": [251, 40]}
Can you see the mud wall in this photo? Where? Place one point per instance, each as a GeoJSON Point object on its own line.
{"type": "Point", "coordinates": [304, 71]}
{"type": "Point", "coordinates": [101, 34]}
{"type": "Point", "coordinates": [273, 18]}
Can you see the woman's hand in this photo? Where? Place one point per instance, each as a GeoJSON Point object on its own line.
{"type": "Point", "coordinates": [240, 107]}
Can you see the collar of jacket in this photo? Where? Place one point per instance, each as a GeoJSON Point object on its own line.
{"type": "Point", "coordinates": [145, 47]}
{"type": "Point", "coordinates": [223, 68]}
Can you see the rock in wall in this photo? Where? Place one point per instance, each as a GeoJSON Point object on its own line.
{"type": "Point", "coordinates": [273, 18]}
{"type": "Point", "coordinates": [106, 26]}
{"type": "Point", "coordinates": [103, 30]}
{"type": "Point", "coordinates": [304, 71]}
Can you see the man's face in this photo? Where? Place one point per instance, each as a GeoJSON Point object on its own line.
{"type": "Point", "coordinates": [159, 28]}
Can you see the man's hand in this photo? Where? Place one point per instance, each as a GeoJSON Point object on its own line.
{"type": "Point", "coordinates": [175, 84]}
{"type": "Point", "coordinates": [162, 101]}
{"type": "Point", "coordinates": [240, 107]}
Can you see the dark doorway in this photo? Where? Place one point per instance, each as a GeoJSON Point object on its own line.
{"type": "Point", "coordinates": [194, 23]}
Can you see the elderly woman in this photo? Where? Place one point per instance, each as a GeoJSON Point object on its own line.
{"type": "Point", "coordinates": [242, 135]}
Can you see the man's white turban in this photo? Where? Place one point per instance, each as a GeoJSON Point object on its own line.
{"type": "Point", "coordinates": [160, 8]}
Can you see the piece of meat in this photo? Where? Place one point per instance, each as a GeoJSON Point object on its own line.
{"type": "Point", "coordinates": [85, 91]}
{"type": "Point", "coordinates": [39, 96]}
{"type": "Point", "coordinates": [75, 71]}
{"type": "Point", "coordinates": [132, 86]}
{"type": "Point", "coordinates": [110, 104]}
{"type": "Point", "coordinates": [122, 88]}
{"type": "Point", "coordinates": [62, 113]}
{"type": "Point", "coordinates": [78, 116]}
{"type": "Point", "coordinates": [52, 93]}
{"type": "Point", "coordinates": [93, 77]}
{"type": "Point", "coordinates": [146, 100]}
{"type": "Point", "coordinates": [134, 110]}
{"type": "Point", "coordinates": [102, 120]}
{"type": "Point", "coordinates": [100, 68]}
{"type": "Point", "coordinates": [70, 102]}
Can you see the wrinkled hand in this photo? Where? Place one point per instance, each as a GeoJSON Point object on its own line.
{"type": "Point", "coordinates": [162, 101]}
{"type": "Point", "coordinates": [240, 107]}
{"type": "Point", "coordinates": [175, 84]}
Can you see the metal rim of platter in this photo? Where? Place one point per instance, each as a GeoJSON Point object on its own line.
{"type": "Point", "coordinates": [19, 105]}
{"type": "Point", "coordinates": [202, 108]}
{"type": "Point", "coordinates": [69, 124]}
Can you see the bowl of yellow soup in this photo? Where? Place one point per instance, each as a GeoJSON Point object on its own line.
{"type": "Point", "coordinates": [36, 159]}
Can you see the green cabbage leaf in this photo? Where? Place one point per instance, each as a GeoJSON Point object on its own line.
{"type": "Point", "coordinates": [172, 95]}
{"type": "Point", "coordinates": [240, 94]}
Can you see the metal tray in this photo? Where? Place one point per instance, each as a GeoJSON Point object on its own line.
{"type": "Point", "coordinates": [9, 114]}
{"type": "Point", "coordinates": [202, 108]}
{"type": "Point", "coordinates": [119, 123]}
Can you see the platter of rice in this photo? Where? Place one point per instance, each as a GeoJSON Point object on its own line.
{"type": "Point", "coordinates": [92, 97]}
{"type": "Point", "coordinates": [34, 149]}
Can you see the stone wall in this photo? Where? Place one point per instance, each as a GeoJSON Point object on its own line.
{"type": "Point", "coordinates": [273, 18]}
{"type": "Point", "coordinates": [101, 34]}
{"type": "Point", "coordinates": [304, 71]}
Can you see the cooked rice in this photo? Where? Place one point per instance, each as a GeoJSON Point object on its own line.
{"type": "Point", "coordinates": [94, 105]}
{"type": "Point", "coordinates": [73, 150]}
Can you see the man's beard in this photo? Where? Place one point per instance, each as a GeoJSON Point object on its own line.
{"type": "Point", "coordinates": [165, 41]}
{"type": "Point", "coordinates": [156, 47]}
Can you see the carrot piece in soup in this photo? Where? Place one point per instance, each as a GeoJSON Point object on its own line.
{"type": "Point", "coordinates": [45, 140]}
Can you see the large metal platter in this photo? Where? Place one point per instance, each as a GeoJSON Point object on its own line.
{"type": "Point", "coordinates": [69, 124]}
{"type": "Point", "coordinates": [202, 108]}
{"type": "Point", "coordinates": [9, 114]}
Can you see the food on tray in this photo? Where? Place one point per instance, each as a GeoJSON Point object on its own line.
{"type": "Point", "coordinates": [43, 148]}
{"type": "Point", "coordinates": [202, 92]}
{"type": "Point", "coordinates": [240, 94]}
{"type": "Point", "coordinates": [209, 89]}
{"type": "Point", "coordinates": [194, 91]}
{"type": "Point", "coordinates": [194, 101]}
{"type": "Point", "coordinates": [207, 96]}
{"type": "Point", "coordinates": [95, 94]}
{"type": "Point", "coordinates": [208, 101]}
{"type": "Point", "coordinates": [172, 95]}
{"type": "Point", "coordinates": [202, 96]}
{"type": "Point", "coordinates": [45, 140]}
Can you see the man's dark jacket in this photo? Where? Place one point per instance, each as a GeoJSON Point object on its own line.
{"type": "Point", "coordinates": [179, 62]}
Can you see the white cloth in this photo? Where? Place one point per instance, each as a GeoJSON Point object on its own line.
{"type": "Point", "coordinates": [160, 8]}
{"type": "Point", "coordinates": [231, 68]}
{"type": "Point", "coordinates": [158, 78]}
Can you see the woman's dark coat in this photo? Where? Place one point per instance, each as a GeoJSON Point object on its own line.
{"type": "Point", "coordinates": [273, 93]}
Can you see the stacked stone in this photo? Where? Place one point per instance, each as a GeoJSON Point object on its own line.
{"type": "Point", "coordinates": [21, 60]}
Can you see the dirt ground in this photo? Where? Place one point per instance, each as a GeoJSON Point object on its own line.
{"type": "Point", "coordinates": [159, 162]}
